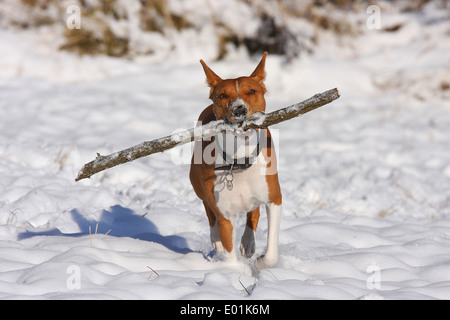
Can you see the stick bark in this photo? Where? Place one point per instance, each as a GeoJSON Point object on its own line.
{"type": "Point", "coordinates": [257, 120]}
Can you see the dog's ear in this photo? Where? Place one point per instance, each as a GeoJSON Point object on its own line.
{"type": "Point", "coordinates": [260, 74]}
{"type": "Point", "coordinates": [212, 79]}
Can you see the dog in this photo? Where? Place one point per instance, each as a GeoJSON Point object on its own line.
{"type": "Point", "coordinates": [237, 170]}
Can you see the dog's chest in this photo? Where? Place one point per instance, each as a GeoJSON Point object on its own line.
{"type": "Point", "coordinates": [248, 189]}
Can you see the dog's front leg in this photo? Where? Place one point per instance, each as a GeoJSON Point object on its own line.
{"type": "Point", "coordinates": [273, 219]}
{"type": "Point", "coordinates": [215, 239]}
{"type": "Point", "coordinates": [222, 238]}
{"type": "Point", "coordinates": [214, 230]}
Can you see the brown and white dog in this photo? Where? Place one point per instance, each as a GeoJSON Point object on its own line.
{"type": "Point", "coordinates": [237, 171]}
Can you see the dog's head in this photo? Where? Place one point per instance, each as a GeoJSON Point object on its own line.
{"type": "Point", "coordinates": [236, 99]}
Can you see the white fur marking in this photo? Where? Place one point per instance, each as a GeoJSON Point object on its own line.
{"type": "Point", "coordinates": [250, 190]}
{"type": "Point", "coordinates": [238, 102]}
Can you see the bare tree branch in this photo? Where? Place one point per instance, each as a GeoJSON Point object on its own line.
{"type": "Point", "coordinates": [257, 120]}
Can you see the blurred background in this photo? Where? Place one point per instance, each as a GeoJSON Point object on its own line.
{"type": "Point", "coordinates": [161, 29]}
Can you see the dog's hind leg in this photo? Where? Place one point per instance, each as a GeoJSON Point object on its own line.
{"type": "Point", "coordinates": [247, 247]}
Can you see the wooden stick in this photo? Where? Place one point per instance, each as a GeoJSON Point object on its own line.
{"type": "Point", "coordinates": [257, 120]}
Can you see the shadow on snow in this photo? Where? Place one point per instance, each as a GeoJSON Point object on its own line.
{"type": "Point", "coordinates": [119, 222]}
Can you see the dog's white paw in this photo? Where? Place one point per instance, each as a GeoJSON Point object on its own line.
{"type": "Point", "coordinates": [218, 247]}
{"type": "Point", "coordinates": [264, 262]}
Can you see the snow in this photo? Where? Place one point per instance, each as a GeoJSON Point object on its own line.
{"type": "Point", "coordinates": [365, 180]}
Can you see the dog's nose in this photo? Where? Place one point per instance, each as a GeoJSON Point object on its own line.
{"type": "Point", "coordinates": [239, 111]}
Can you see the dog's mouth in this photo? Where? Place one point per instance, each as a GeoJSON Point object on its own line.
{"type": "Point", "coordinates": [234, 120]}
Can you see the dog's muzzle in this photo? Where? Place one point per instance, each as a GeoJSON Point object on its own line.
{"type": "Point", "coordinates": [239, 112]}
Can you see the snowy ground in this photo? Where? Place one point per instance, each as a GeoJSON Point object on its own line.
{"type": "Point", "coordinates": [365, 180]}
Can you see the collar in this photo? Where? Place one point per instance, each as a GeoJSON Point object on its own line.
{"type": "Point", "coordinates": [238, 164]}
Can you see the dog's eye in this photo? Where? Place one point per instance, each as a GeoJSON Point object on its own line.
{"type": "Point", "coordinates": [252, 91]}
{"type": "Point", "coordinates": [223, 96]}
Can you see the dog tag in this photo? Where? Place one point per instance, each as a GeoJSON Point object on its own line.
{"type": "Point", "coordinates": [229, 181]}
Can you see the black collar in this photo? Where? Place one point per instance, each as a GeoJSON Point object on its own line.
{"type": "Point", "coordinates": [238, 164]}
